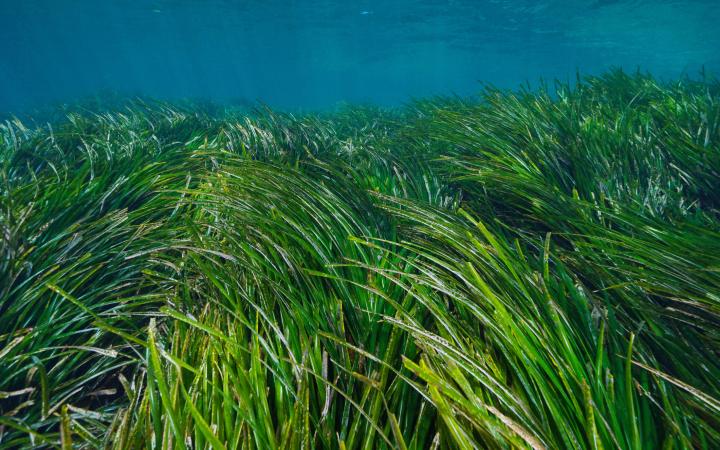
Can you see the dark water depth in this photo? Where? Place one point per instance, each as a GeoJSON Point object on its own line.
{"type": "Point", "coordinates": [315, 53]}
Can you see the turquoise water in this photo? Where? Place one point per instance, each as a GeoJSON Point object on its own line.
{"type": "Point", "coordinates": [314, 54]}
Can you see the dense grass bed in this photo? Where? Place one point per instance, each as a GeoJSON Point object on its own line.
{"type": "Point", "coordinates": [526, 270]}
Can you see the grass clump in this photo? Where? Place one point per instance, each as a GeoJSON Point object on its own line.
{"type": "Point", "coordinates": [526, 270]}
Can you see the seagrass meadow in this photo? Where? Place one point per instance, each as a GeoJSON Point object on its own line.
{"type": "Point", "coordinates": [526, 269]}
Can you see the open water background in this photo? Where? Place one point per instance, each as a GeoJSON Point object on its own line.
{"type": "Point", "coordinates": [314, 54]}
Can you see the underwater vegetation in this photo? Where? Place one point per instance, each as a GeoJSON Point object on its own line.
{"type": "Point", "coordinates": [529, 269]}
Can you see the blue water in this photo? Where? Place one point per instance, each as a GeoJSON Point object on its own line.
{"type": "Point", "coordinates": [315, 53]}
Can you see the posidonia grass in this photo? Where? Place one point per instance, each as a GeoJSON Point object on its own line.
{"type": "Point", "coordinates": [523, 270]}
